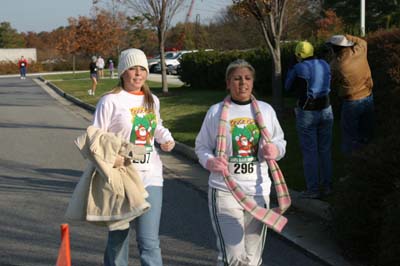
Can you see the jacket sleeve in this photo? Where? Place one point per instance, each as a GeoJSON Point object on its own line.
{"type": "Point", "coordinates": [360, 44]}
{"type": "Point", "coordinates": [104, 146]}
{"type": "Point", "coordinates": [290, 76]}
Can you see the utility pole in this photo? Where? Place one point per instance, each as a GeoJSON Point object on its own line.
{"type": "Point", "coordinates": [362, 15]}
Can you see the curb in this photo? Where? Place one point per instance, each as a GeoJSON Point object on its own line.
{"type": "Point", "coordinates": [185, 150]}
{"type": "Point", "coordinates": [67, 96]}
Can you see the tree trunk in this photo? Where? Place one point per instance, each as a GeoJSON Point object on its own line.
{"type": "Point", "coordinates": [277, 95]}
{"type": "Point", "coordinates": [273, 43]}
{"type": "Point", "coordinates": [163, 69]}
{"type": "Point", "coordinates": [162, 35]}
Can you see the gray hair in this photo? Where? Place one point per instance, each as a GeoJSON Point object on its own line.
{"type": "Point", "coordinates": [239, 63]}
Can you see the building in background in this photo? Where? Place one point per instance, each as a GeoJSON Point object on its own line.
{"type": "Point", "coordinates": [14, 54]}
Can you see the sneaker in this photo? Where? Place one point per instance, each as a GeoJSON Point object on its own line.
{"type": "Point", "coordinates": [90, 92]}
{"type": "Point", "coordinates": [310, 195]}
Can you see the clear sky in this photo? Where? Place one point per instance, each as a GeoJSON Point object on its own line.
{"type": "Point", "coordinates": [47, 15]}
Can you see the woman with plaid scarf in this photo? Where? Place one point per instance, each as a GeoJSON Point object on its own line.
{"type": "Point", "coordinates": [239, 141]}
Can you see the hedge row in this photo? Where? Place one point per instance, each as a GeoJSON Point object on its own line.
{"type": "Point", "coordinates": [367, 203]}
{"type": "Point", "coordinates": [206, 69]}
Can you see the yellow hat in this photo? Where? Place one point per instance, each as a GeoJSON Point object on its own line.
{"type": "Point", "coordinates": [304, 49]}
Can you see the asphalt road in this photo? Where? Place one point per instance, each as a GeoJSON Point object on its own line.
{"type": "Point", "coordinates": [39, 168]}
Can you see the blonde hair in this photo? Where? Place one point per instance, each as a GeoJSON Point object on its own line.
{"type": "Point", "coordinates": [148, 96]}
{"type": "Point", "coordinates": [239, 63]}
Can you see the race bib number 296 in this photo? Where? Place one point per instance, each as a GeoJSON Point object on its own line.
{"type": "Point", "coordinates": [243, 168]}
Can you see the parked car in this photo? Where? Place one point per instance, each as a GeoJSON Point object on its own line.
{"type": "Point", "coordinates": [172, 63]}
{"type": "Point", "coordinates": [155, 60]}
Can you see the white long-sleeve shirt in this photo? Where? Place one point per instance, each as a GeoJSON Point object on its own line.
{"type": "Point", "coordinates": [123, 113]}
{"type": "Point", "coordinates": [242, 145]}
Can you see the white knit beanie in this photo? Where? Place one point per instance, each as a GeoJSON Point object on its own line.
{"type": "Point", "coordinates": [130, 58]}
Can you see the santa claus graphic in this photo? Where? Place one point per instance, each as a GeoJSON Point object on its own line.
{"type": "Point", "coordinates": [141, 134]}
{"type": "Point", "coordinates": [244, 145]}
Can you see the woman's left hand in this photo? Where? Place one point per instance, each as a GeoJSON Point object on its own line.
{"type": "Point", "coordinates": [270, 151]}
{"type": "Point", "coordinates": [168, 146]}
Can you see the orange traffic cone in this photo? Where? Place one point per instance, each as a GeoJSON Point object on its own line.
{"type": "Point", "coordinates": [64, 253]}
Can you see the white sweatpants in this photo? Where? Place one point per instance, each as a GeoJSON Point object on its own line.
{"type": "Point", "coordinates": [240, 237]}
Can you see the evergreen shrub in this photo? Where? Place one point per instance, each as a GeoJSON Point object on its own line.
{"type": "Point", "coordinates": [206, 69]}
{"type": "Point", "coordinates": [366, 204]}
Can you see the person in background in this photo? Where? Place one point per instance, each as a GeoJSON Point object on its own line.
{"type": "Point", "coordinates": [23, 66]}
{"type": "Point", "coordinates": [93, 76]}
{"type": "Point", "coordinates": [310, 77]}
{"type": "Point", "coordinates": [133, 112]}
{"type": "Point", "coordinates": [351, 71]}
{"type": "Point", "coordinates": [111, 68]}
{"type": "Point", "coordinates": [100, 66]}
{"type": "Point", "coordinates": [240, 236]}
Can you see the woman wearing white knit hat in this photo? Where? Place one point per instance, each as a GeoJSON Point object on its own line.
{"type": "Point", "coordinates": [132, 111]}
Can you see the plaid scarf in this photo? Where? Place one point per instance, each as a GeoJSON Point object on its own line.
{"type": "Point", "coordinates": [271, 217]}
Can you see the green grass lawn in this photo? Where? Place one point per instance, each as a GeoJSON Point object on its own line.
{"type": "Point", "coordinates": [183, 111]}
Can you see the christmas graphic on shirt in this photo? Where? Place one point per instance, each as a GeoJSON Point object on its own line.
{"type": "Point", "coordinates": [245, 137]}
{"type": "Point", "coordinates": [144, 124]}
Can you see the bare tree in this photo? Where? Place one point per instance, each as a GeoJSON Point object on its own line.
{"type": "Point", "coordinates": [159, 13]}
{"type": "Point", "coordinates": [269, 14]}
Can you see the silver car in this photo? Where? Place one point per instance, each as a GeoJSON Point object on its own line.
{"type": "Point", "coordinates": [172, 63]}
{"type": "Point", "coordinates": [155, 60]}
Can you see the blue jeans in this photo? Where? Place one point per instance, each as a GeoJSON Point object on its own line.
{"type": "Point", "coordinates": [22, 71]}
{"type": "Point", "coordinates": [314, 129]}
{"type": "Point", "coordinates": [357, 122]}
{"type": "Point", "coordinates": [147, 237]}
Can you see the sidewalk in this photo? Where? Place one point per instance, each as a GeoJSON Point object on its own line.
{"type": "Point", "coordinates": [308, 219]}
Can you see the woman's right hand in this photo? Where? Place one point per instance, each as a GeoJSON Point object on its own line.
{"type": "Point", "coordinates": [218, 165]}
{"type": "Point", "coordinates": [119, 161]}
{"type": "Point", "coordinates": [168, 146]}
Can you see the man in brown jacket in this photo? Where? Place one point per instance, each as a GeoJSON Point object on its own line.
{"type": "Point", "coordinates": [351, 70]}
